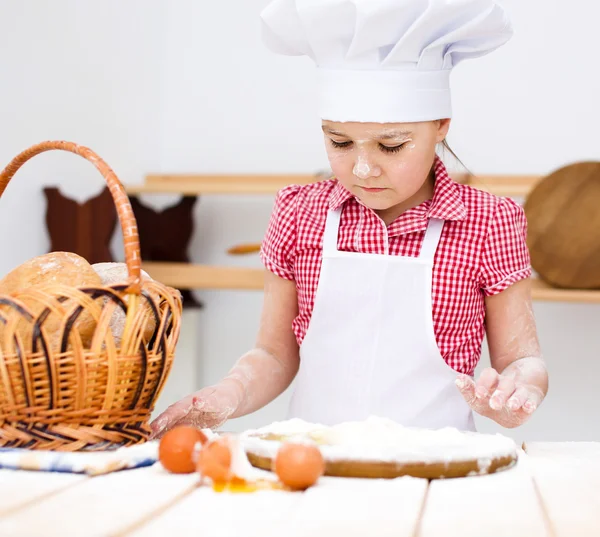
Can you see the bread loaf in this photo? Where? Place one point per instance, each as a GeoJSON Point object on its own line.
{"type": "Point", "coordinates": [116, 273]}
{"type": "Point", "coordinates": [55, 268]}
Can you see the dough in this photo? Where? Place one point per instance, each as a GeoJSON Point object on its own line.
{"type": "Point", "coordinates": [381, 448]}
{"type": "Point", "coordinates": [115, 273]}
{"type": "Point", "coordinates": [55, 268]}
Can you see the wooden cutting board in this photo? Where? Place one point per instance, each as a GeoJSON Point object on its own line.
{"type": "Point", "coordinates": [381, 449]}
{"type": "Point", "coordinates": [563, 214]}
{"type": "Point", "coordinates": [392, 470]}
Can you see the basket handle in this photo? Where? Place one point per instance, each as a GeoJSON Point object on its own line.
{"type": "Point", "coordinates": [125, 212]}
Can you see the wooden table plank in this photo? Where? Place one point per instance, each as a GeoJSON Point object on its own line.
{"type": "Point", "coordinates": [567, 475]}
{"type": "Point", "coordinates": [205, 512]}
{"type": "Point", "coordinates": [355, 507]}
{"type": "Point", "coordinates": [552, 492]}
{"type": "Point", "coordinates": [564, 451]}
{"type": "Point", "coordinates": [20, 488]}
{"type": "Point", "coordinates": [100, 506]}
{"type": "Point", "coordinates": [497, 505]}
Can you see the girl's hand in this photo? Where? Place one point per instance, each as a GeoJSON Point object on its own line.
{"type": "Point", "coordinates": [517, 383]}
{"type": "Point", "coordinates": [258, 377]}
{"type": "Point", "coordinates": [509, 398]}
{"type": "Point", "coordinates": [208, 408]}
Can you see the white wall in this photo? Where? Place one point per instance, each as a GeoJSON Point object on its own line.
{"type": "Point", "coordinates": [78, 71]}
{"type": "Point", "coordinates": [186, 87]}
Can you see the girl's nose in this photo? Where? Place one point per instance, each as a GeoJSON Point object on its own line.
{"type": "Point", "coordinates": [364, 168]}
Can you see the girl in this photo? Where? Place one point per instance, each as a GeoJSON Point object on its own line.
{"type": "Point", "coordinates": [382, 282]}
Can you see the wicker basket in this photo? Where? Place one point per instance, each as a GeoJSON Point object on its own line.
{"type": "Point", "coordinates": [59, 392]}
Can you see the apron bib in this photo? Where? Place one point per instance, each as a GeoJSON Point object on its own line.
{"type": "Point", "coordinates": [370, 348]}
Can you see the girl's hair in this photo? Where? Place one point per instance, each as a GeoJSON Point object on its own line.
{"type": "Point", "coordinates": [446, 147]}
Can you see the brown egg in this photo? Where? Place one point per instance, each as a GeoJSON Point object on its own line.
{"type": "Point", "coordinates": [177, 447]}
{"type": "Point", "coordinates": [214, 460]}
{"type": "Point", "coordinates": [299, 466]}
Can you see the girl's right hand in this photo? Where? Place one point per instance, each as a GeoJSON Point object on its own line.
{"type": "Point", "coordinates": [208, 408]}
{"type": "Point", "coordinates": [257, 378]}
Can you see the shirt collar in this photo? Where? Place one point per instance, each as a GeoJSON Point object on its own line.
{"type": "Point", "coordinates": [339, 195]}
{"type": "Point", "coordinates": [446, 204]}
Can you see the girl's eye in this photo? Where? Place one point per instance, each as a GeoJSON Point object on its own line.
{"type": "Point", "coordinates": [340, 145]}
{"type": "Point", "coordinates": [384, 148]}
{"type": "Point", "coordinates": [394, 149]}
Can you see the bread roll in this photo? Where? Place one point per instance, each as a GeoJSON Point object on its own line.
{"type": "Point", "coordinates": [115, 273]}
{"type": "Point", "coordinates": [55, 268]}
{"type": "Point", "coordinates": [63, 268]}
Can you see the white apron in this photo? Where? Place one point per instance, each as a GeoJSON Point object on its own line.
{"type": "Point", "coordinates": [370, 349]}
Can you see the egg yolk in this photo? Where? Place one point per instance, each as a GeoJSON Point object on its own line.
{"type": "Point", "coordinates": [214, 461]}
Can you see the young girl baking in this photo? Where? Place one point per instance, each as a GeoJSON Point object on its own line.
{"type": "Point", "coordinates": [382, 283]}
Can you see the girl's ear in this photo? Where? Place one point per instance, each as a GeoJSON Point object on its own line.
{"type": "Point", "coordinates": [442, 129]}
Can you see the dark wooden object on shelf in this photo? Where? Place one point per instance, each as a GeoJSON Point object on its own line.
{"type": "Point", "coordinates": [165, 235]}
{"type": "Point", "coordinates": [85, 229]}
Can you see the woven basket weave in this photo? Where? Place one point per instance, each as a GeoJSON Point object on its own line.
{"type": "Point", "coordinates": [59, 392]}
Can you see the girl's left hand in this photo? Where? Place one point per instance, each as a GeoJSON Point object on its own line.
{"type": "Point", "coordinates": [507, 399]}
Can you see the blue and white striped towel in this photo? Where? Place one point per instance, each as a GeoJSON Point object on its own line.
{"type": "Point", "coordinates": [90, 463]}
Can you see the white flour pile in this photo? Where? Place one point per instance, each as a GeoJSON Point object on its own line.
{"type": "Point", "coordinates": [382, 440]}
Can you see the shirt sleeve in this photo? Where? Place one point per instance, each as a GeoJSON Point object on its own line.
{"type": "Point", "coordinates": [278, 249]}
{"type": "Point", "coordinates": [505, 256]}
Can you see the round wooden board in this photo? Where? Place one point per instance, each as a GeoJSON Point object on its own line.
{"type": "Point", "coordinates": [563, 215]}
{"type": "Point", "coordinates": [390, 470]}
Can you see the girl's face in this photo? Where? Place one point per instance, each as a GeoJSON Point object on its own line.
{"type": "Point", "coordinates": [384, 165]}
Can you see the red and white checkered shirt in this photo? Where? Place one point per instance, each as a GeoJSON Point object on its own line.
{"type": "Point", "coordinates": [482, 251]}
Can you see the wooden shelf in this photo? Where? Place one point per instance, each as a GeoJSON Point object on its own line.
{"type": "Point", "coordinates": [543, 292]}
{"type": "Point", "coordinates": [193, 276]}
{"type": "Point", "coordinates": [196, 276]}
{"type": "Point", "coordinates": [196, 185]}
{"type": "Point", "coordinates": [503, 185]}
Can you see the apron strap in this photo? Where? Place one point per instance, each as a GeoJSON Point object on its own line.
{"type": "Point", "coordinates": [432, 239]}
{"type": "Point", "coordinates": [332, 224]}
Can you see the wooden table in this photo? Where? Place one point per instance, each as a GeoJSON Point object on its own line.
{"type": "Point", "coordinates": [554, 491]}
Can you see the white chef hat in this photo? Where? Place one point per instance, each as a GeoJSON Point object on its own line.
{"type": "Point", "coordinates": [385, 60]}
